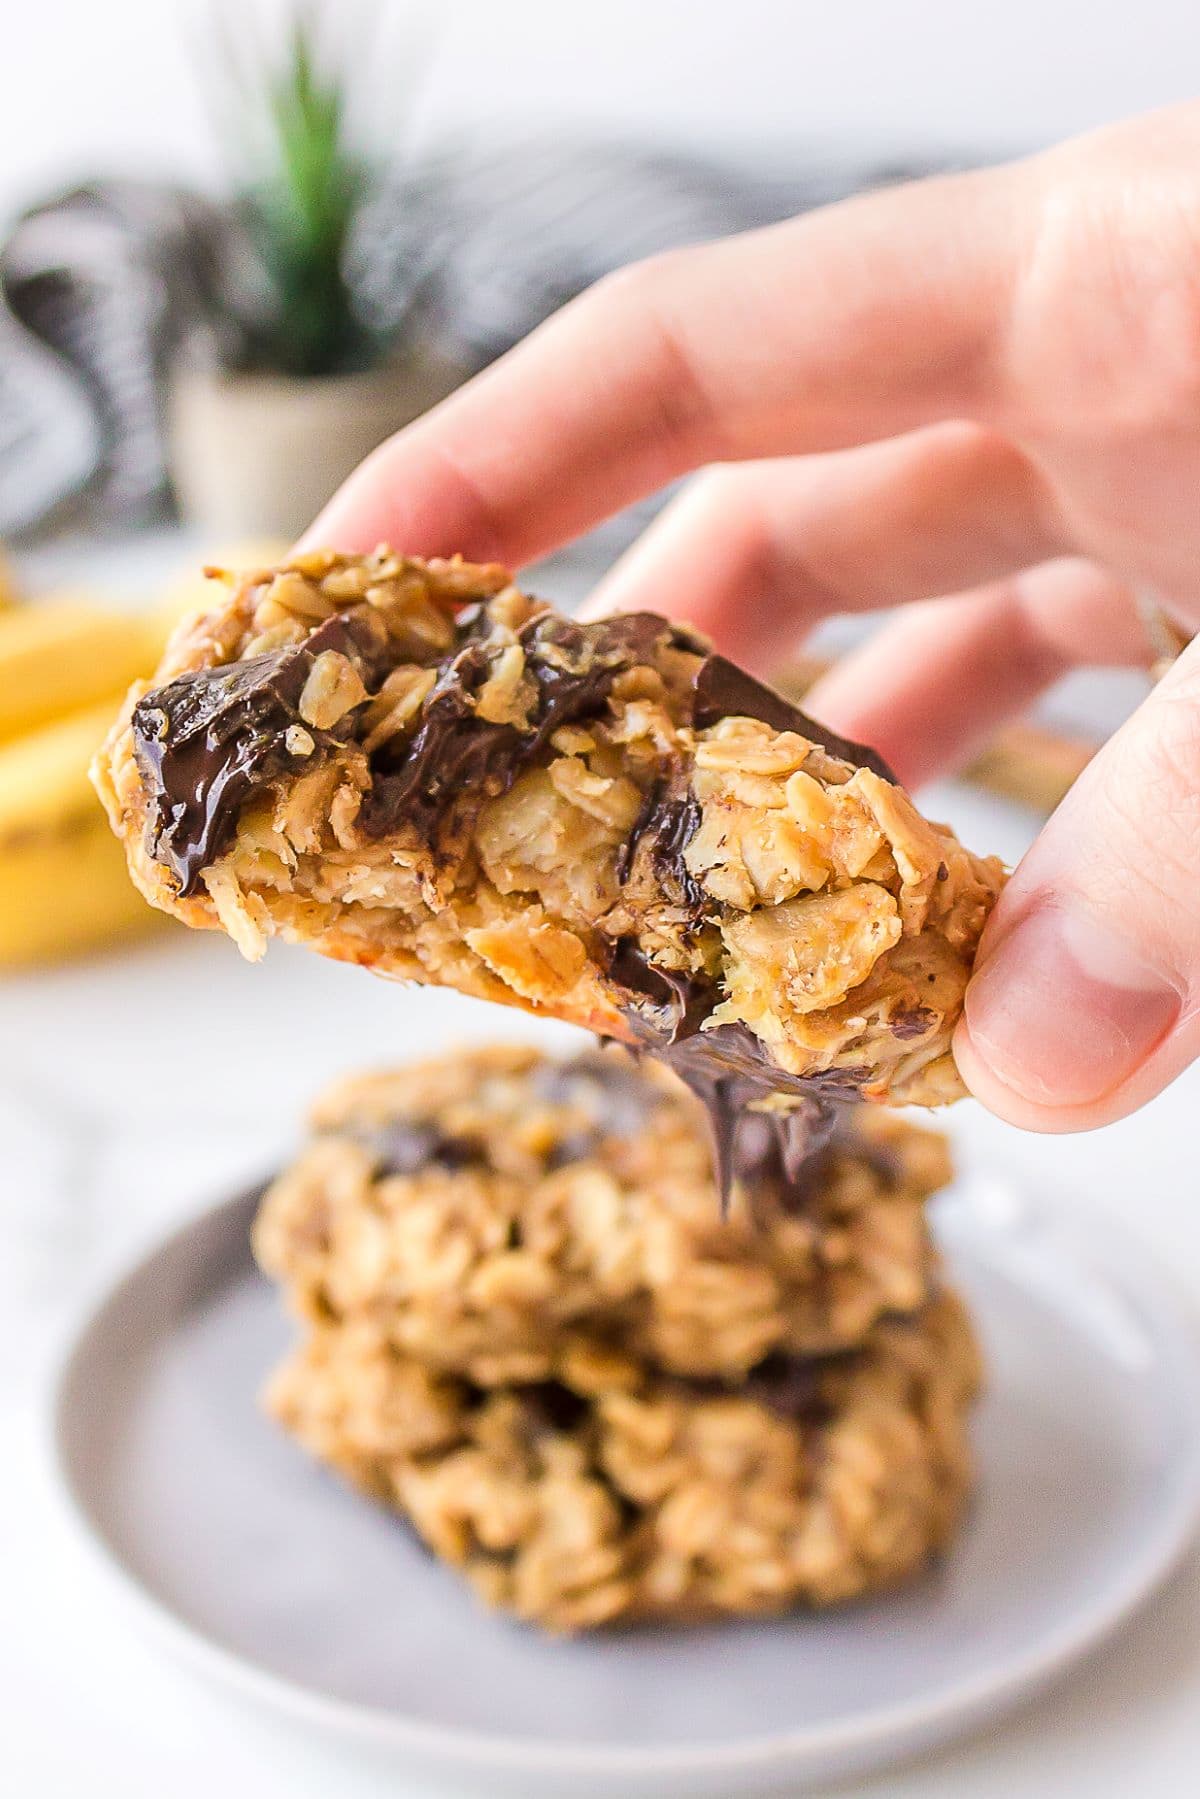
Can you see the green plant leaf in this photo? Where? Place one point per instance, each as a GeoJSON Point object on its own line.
{"type": "Point", "coordinates": [300, 205]}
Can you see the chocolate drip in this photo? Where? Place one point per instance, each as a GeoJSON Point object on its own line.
{"type": "Point", "coordinates": [204, 741]}
{"type": "Point", "coordinates": [729, 1071]}
{"type": "Point", "coordinates": [726, 1067]}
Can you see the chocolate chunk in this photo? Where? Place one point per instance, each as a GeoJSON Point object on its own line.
{"type": "Point", "coordinates": [551, 1407]}
{"type": "Point", "coordinates": [668, 825]}
{"type": "Point", "coordinates": [722, 690]}
{"type": "Point", "coordinates": [913, 1023]}
{"type": "Point", "coordinates": [604, 1087]}
{"type": "Point", "coordinates": [206, 740]}
{"type": "Point", "coordinates": [575, 665]}
{"type": "Point", "coordinates": [790, 1386]}
{"type": "Point", "coordinates": [405, 1146]}
{"type": "Point", "coordinates": [454, 754]}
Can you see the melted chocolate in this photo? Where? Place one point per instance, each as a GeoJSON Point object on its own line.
{"type": "Point", "coordinates": [204, 741]}
{"type": "Point", "coordinates": [726, 1067]}
{"type": "Point", "coordinates": [667, 823]}
{"type": "Point", "coordinates": [913, 1023]}
{"type": "Point", "coordinates": [723, 690]}
{"type": "Point", "coordinates": [664, 1005]}
{"type": "Point", "coordinates": [455, 754]}
{"type": "Point", "coordinates": [728, 1070]}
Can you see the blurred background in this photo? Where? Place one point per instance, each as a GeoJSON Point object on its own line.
{"type": "Point", "coordinates": [239, 244]}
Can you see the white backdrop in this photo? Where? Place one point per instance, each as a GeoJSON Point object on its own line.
{"type": "Point", "coordinates": [96, 85]}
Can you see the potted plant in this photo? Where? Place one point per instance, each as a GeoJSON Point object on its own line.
{"type": "Point", "coordinates": [276, 400]}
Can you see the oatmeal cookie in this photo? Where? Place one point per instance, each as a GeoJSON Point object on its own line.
{"type": "Point", "coordinates": [416, 767]}
{"type": "Point", "coordinates": [615, 1493]}
{"type": "Point", "coordinates": [488, 1209]}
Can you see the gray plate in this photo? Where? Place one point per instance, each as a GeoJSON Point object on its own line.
{"type": "Point", "coordinates": [267, 1571]}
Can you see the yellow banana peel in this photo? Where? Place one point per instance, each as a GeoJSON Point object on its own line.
{"type": "Point", "coordinates": [64, 886]}
{"type": "Point", "coordinates": [9, 592]}
{"type": "Point", "coordinates": [65, 665]}
{"type": "Point", "coordinates": [58, 657]}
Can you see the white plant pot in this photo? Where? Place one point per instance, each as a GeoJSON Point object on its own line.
{"type": "Point", "coordinates": [259, 454]}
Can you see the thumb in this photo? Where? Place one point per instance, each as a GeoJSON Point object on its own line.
{"type": "Point", "coordinates": [1083, 1002]}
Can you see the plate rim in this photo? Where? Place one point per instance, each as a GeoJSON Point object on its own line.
{"type": "Point", "coordinates": [903, 1728]}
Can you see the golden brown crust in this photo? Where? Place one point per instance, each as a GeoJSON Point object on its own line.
{"type": "Point", "coordinates": [807, 894]}
{"type": "Point", "coordinates": [619, 1494]}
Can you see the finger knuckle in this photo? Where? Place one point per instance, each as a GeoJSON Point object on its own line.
{"type": "Point", "coordinates": [721, 494]}
{"type": "Point", "coordinates": [638, 286]}
{"type": "Point", "coordinates": [1125, 340]}
{"type": "Point", "coordinates": [645, 307]}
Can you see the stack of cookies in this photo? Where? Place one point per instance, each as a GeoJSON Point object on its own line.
{"type": "Point", "coordinates": [530, 1329]}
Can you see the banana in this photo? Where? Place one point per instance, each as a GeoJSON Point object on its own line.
{"type": "Point", "coordinates": [65, 664]}
{"type": "Point", "coordinates": [62, 653]}
{"type": "Point", "coordinates": [58, 657]}
{"type": "Point", "coordinates": [63, 881]}
{"type": "Point", "coordinates": [193, 591]}
{"type": "Point", "coordinates": [9, 592]}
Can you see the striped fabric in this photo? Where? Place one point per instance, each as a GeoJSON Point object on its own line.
{"type": "Point", "coordinates": [99, 288]}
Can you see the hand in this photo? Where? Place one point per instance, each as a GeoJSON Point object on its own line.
{"type": "Point", "coordinates": [978, 395]}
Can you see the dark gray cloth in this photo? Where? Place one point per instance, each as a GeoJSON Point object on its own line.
{"type": "Point", "coordinates": [100, 287]}
{"type": "Point", "coordinates": [494, 240]}
{"type": "Point", "coordinates": [108, 279]}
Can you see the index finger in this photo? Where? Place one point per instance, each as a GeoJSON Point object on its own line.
{"type": "Point", "coordinates": [856, 322]}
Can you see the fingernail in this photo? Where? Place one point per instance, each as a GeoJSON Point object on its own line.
{"type": "Point", "coordinates": [1063, 1011]}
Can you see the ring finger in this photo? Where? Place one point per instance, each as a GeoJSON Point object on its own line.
{"type": "Point", "coordinates": [757, 553]}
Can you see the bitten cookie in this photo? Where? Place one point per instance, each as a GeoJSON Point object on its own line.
{"type": "Point", "coordinates": [417, 768]}
{"type": "Point", "coordinates": [488, 1209]}
{"type": "Point", "coordinates": [615, 1493]}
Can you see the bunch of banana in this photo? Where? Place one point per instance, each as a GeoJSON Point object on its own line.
{"type": "Point", "coordinates": [61, 887]}
{"type": "Point", "coordinates": [61, 655]}
{"type": "Point", "coordinates": [65, 663]}
{"type": "Point", "coordinates": [8, 587]}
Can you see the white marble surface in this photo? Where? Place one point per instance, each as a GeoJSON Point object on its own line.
{"type": "Point", "coordinates": [134, 1087]}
